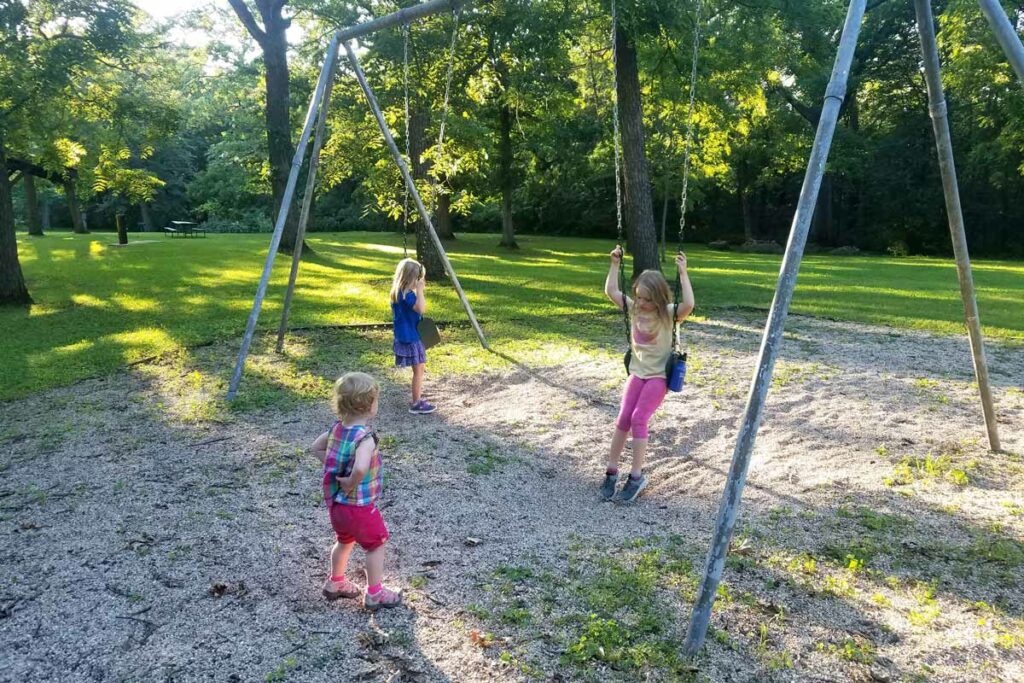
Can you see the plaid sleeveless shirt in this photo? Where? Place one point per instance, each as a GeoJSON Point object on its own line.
{"type": "Point", "coordinates": [342, 444]}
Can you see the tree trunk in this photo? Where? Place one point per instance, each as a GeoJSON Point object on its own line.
{"type": "Point", "coordinates": [46, 215]}
{"type": "Point", "coordinates": [506, 178]}
{"type": "Point", "coordinates": [77, 224]}
{"type": "Point", "coordinates": [279, 139]}
{"type": "Point", "coordinates": [823, 224]}
{"type": "Point", "coordinates": [12, 283]}
{"type": "Point", "coordinates": [664, 222]}
{"type": "Point", "coordinates": [749, 229]}
{"type": "Point", "coordinates": [274, 43]}
{"type": "Point", "coordinates": [147, 217]}
{"type": "Point", "coordinates": [443, 216]}
{"type": "Point", "coordinates": [35, 225]}
{"type": "Point", "coordinates": [639, 211]}
{"type": "Point", "coordinates": [443, 210]}
{"type": "Point", "coordinates": [426, 252]}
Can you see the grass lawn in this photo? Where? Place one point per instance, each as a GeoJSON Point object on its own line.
{"type": "Point", "coordinates": [99, 306]}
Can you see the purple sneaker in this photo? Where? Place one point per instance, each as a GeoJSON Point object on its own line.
{"type": "Point", "coordinates": [421, 407]}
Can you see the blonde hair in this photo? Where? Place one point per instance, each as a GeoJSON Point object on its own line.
{"type": "Point", "coordinates": [407, 272]}
{"type": "Point", "coordinates": [657, 288]}
{"type": "Point", "coordinates": [354, 394]}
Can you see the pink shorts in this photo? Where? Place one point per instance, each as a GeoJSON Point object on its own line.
{"type": "Point", "coordinates": [359, 523]}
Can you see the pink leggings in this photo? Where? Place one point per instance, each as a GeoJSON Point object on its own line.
{"type": "Point", "coordinates": [640, 399]}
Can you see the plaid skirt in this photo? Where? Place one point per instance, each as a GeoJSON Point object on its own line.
{"type": "Point", "coordinates": [409, 354]}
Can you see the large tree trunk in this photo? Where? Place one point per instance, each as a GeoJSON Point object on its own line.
{"type": "Point", "coordinates": [443, 210]}
{"type": "Point", "coordinates": [426, 252]}
{"type": "Point", "coordinates": [35, 225]}
{"type": "Point", "coordinates": [274, 43]}
{"type": "Point", "coordinates": [12, 283]}
{"type": "Point", "coordinates": [77, 224]}
{"type": "Point", "coordinates": [443, 216]}
{"type": "Point", "coordinates": [147, 217]}
{"type": "Point", "coordinates": [506, 178]}
{"type": "Point", "coordinates": [639, 210]}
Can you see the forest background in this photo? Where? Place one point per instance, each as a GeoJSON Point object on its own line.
{"type": "Point", "coordinates": [165, 119]}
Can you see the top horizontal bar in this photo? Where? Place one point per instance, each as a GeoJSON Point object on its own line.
{"type": "Point", "coordinates": [402, 16]}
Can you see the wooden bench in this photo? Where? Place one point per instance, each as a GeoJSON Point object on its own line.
{"type": "Point", "coordinates": [184, 229]}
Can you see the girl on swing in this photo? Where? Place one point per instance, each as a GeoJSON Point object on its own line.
{"type": "Point", "coordinates": [651, 313]}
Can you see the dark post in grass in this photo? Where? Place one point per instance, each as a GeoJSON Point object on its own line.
{"type": "Point", "coordinates": [944, 145]}
{"type": "Point", "coordinates": [282, 214]}
{"type": "Point", "coordinates": [122, 232]}
{"type": "Point", "coordinates": [1005, 34]}
{"type": "Point", "coordinates": [307, 201]}
{"type": "Point", "coordinates": [772, 338]}
{"type": "Point", "coordinates": [371, 99]}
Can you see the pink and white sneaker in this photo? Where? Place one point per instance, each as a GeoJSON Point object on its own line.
{"type": "Point", "coordinates": [385, 598]}
{"type": "Point", "coordinates": [334, 590]}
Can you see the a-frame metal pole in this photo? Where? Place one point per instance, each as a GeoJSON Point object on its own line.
{"type": "Point", "coordinates": [307, 201]}
{"type": "Point", "coordinates": [282, 214]}
{"type": "Point", "coordinates": [371, 99]}
{"type": "Point", "coordinates": [1005, 34]}
{"type": "Point", "coordinates": [944, 145]}
{"type": "Point", "coordinates": [772, 338]}
{"type": "Point", "coordinates": [406, 15]}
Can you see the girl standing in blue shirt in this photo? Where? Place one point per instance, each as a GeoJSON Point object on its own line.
{"type": "Point", "coordinates": [408, 306]}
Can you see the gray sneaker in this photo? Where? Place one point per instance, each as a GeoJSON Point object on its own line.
{"type": "Point", "coordinates": [632, 489]}
{"type": "Point", "coordinates": [608, 487]}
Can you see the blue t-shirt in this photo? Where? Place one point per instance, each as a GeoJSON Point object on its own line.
{"type": "Point", "coordinates": [406, 318]}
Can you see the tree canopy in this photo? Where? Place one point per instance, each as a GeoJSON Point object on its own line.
{"type": "Point", "coordinates": [135, 118]}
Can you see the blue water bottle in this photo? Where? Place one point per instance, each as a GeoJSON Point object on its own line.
{"type": "Point", "coordinates": [675, 381]}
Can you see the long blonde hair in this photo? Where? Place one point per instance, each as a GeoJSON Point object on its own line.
{"type": "Point", "coordinates": [407, 272]}
{"type": "Point", "coordinates": [657, 287]}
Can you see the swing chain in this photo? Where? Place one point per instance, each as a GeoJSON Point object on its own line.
{"type": "Point", "coordinates": [617, 143]}
{"type": "Point", "coordinates": [408, 153]}
{"type": "Point", "coordinates": [448, 77]}
{"type": "Point", "coordinates": [689, 123]}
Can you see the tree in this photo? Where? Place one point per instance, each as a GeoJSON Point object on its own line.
{"type": "Point", "coordinates": [274, 43]}
{"type": "Point", "coordinates": [636, 184]}
{"type": "Point", "coordinates": [47, 50]}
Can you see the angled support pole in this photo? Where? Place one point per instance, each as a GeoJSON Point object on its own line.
{"type": "Point", "coordinates": [371, 99]}
{"type": "Point", "coordinates": [944, 146]}
{"type": "Point", "coordinates": [1005, 34]}
{"type": "Point", "coordinates": [772, 339]}
{"type": "Point", "coordinates": [282, 214]}
{"type": "Point", "coordinates": [307, 202]}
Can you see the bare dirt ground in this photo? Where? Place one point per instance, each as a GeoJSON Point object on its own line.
{"type": "Point", "coordinates": [147, 538]}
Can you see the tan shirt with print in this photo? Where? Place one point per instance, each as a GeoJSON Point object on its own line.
{"type": "Point", "coordinates": [651, 341]}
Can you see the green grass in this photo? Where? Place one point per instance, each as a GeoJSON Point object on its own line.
{"type": "Point", "coordinates": [99, 307]}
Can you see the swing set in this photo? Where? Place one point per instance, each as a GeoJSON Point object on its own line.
{"type": "Point", "coordinates": [772, 336]}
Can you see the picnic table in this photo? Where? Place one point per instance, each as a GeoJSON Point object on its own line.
{"type": "Point", "coordinates": [184, 229]}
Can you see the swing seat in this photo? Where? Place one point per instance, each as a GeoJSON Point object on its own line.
{"type": "Point", "coordinates": [429, 334]}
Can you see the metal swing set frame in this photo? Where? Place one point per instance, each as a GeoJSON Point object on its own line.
{"type": "Point", "coordinates": [835, 93]}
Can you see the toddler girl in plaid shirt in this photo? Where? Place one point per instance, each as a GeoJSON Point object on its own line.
{"type": "Point", "coordinates": [353, 477]}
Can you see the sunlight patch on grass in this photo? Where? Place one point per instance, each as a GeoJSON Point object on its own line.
{"type": "Point", "coordinates": [89, 300]}
{"type": "Point", "coordinates": [135, 304]}
{"type": "Point", "coordinates": [141, 342]}
{"type": "Point", "coordinates": [77, 347]}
